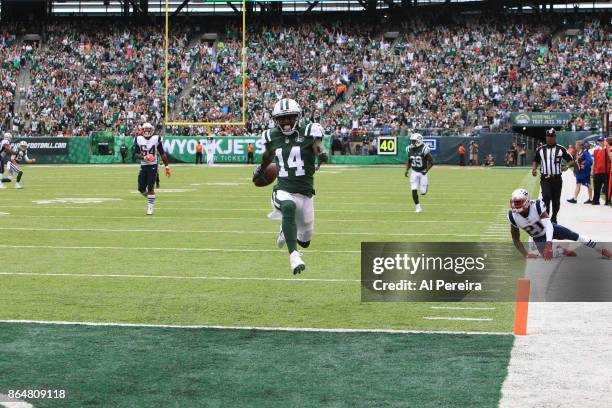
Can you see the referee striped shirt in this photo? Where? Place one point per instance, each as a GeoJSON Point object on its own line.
{"type": "Point", "coordinates": [549, 158]}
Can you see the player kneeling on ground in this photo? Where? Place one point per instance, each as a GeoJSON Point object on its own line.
{"type": "Point", "coordinates": [146, 148]}
{"type": "Point", "coordinates": [420, 161]}
{"type": "Point", "coordinates": [293, 149]}
{"type": "Point", "coordinates": [531, 216]}
{"type": "Point", "coordinates": [13, 165]}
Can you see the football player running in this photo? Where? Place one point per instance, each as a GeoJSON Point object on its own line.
{"type": "Point", "coordinates": [5, 153]}
{"type": "Point", "coordinates": [294, 149]}
{"type": "Point", "coordinates": [13, 165]}
{"type": "Point", "coordinates": [531, 216]}
{"type": "Point", "coordinates": [420, 161]}
{"type": "Point", "coordinates": [146, 148]}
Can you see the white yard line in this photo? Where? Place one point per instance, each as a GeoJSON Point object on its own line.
{"type": "Point", "coordinates": [220, 278]}
{"type": "Point", "coordinates": [564, 361]}
{"type": "Point", "coordinates": [261, 328]}
{"type": "Point", "coordinates": [234, 232]}
{"type": "Point", "coordinates": [475, 319]}
{"type": "Point", "coordinates": [180, 249]}
{"type": "Point", "coordinates": [461, 308]}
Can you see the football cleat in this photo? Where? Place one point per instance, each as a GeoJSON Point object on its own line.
{"type": "Point", "coordinates": [297, 265]}
{"type": "Point", "coordinates": [18, 186]}
{"type": "Point", "coordinates": [280, 241]}
{"type": "Point", "coordinates": [418, 208]}
{"type": "Point", "coordinates": [149, 209]}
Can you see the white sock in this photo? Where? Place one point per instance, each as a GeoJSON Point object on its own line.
{"type": "Point", "coordinates": [586, 241]}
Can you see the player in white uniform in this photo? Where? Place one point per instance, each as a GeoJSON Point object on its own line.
{"type": "Point", "coordinates": [531, 217]}
{"type": "Point", "coordinates": [146, 148]}
{"type": "Point", "coordinates": [210, 151]}
{"type": "Point", "coordinates": [5, 154]}
{"type": "Point", "coordinates": [20, 155]}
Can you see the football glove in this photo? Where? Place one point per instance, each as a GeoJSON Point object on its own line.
{"type": "Point", "coordinates": [259, 174]}
{"type": "Point", "coordinates": [407, 173]}
{"type": "Point", "coordinates": [323, 158]}
{"type": "Point", "coordinates": [168, 171]}
{"type": "Point", "coordinates": [149, 157]}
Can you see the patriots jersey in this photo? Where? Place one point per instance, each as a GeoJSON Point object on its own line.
{"type": "Point", "coordinates": [531, 223]}
{"type": "Point", "coordinates": [4, 148]}
{"type": "Point", "coordinates": [20, 156]}
{"type": "Point", "coordinates": [152, 145]}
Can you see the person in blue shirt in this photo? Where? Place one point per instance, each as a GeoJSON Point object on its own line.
{"type": "Point", "coordinates": [584, 162]}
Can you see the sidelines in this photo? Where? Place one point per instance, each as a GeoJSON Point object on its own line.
{"type": "Point", "coordinates": [222, 278]}
{"type": "Point", "coordinates": [260, 328]}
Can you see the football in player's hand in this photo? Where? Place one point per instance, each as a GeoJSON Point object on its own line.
{"type": "Point", "coordinates": [269, 175]}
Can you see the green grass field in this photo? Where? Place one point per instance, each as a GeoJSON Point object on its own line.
{"type": "Point", "coordinates": [208, 257]}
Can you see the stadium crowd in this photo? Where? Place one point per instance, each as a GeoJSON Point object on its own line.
{"type": "Point", "coordinates": [453, 77]}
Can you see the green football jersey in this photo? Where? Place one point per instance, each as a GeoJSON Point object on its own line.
{"type": "Point", "coordinates": [416, 155]}
{"type": "Point", "coordinates": [294, 158]}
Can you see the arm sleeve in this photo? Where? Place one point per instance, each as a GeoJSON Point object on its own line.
{"type": "Point", "coordinates": [536, 157]}
{"type": "Point", "coordinates": [566, 156]}
{"type": "Point", "coordinates": [540, 207]}
{"type": "Point", "coordinates": [136, 147]}
{"type": "Point", "coordinates": [160, 146]}
{"type": "Point", "coordinates": [549, 228]}
{"type": "Point", "coordinates": [266, 138]}
{"type": "Point", "coordinates": [511, 219]}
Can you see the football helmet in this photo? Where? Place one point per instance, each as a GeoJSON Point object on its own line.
{"type": "Point", "coordinates": [416, 139]}
{"type": "Point", "coordinates": [23, 145]}
{"type": "Point", "coordinates": [8, 136]}
{"type": "Point", "coordinates": [147, 130]}
{"type": "Point", "coordinates": [287, 115]}
{"type": "Point", "coordinates": [519, 201]}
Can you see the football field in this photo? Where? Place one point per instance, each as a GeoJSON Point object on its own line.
{"type": "Point", "coordinates": [78, 247]}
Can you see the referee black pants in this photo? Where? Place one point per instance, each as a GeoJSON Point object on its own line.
{"type": "Point", "coordinates": [600, 181]}
{"type": "Point", "coordinates": [551, 192]}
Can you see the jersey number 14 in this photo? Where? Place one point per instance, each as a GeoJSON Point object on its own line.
{"type": "Point", "coordinates": [294, 161]}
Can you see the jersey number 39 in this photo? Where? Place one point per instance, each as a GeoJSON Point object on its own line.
{"type": "Point", "coordinates": [417, 161]}
{"type": "Point", "coordinates": [294, 161]}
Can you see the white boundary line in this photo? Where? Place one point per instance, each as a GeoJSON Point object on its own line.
{"type": "Point", "coordinates": [222, 278]}
{"type": "Point", "coordinates": [461, 308]}
{"type": "Point", "coordinates": [237, 232]}
{"type": "Point", "coordinates": [260, 328]}
{"type": "Point", "coordinates": [7, 402]}
{"type": "Point", "coordinates": [172, 249]}
{"type": "Point", "coordinates": [476, 319]}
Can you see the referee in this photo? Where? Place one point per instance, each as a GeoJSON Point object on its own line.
{"type": "Point", "coordinates": [549, 157]}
